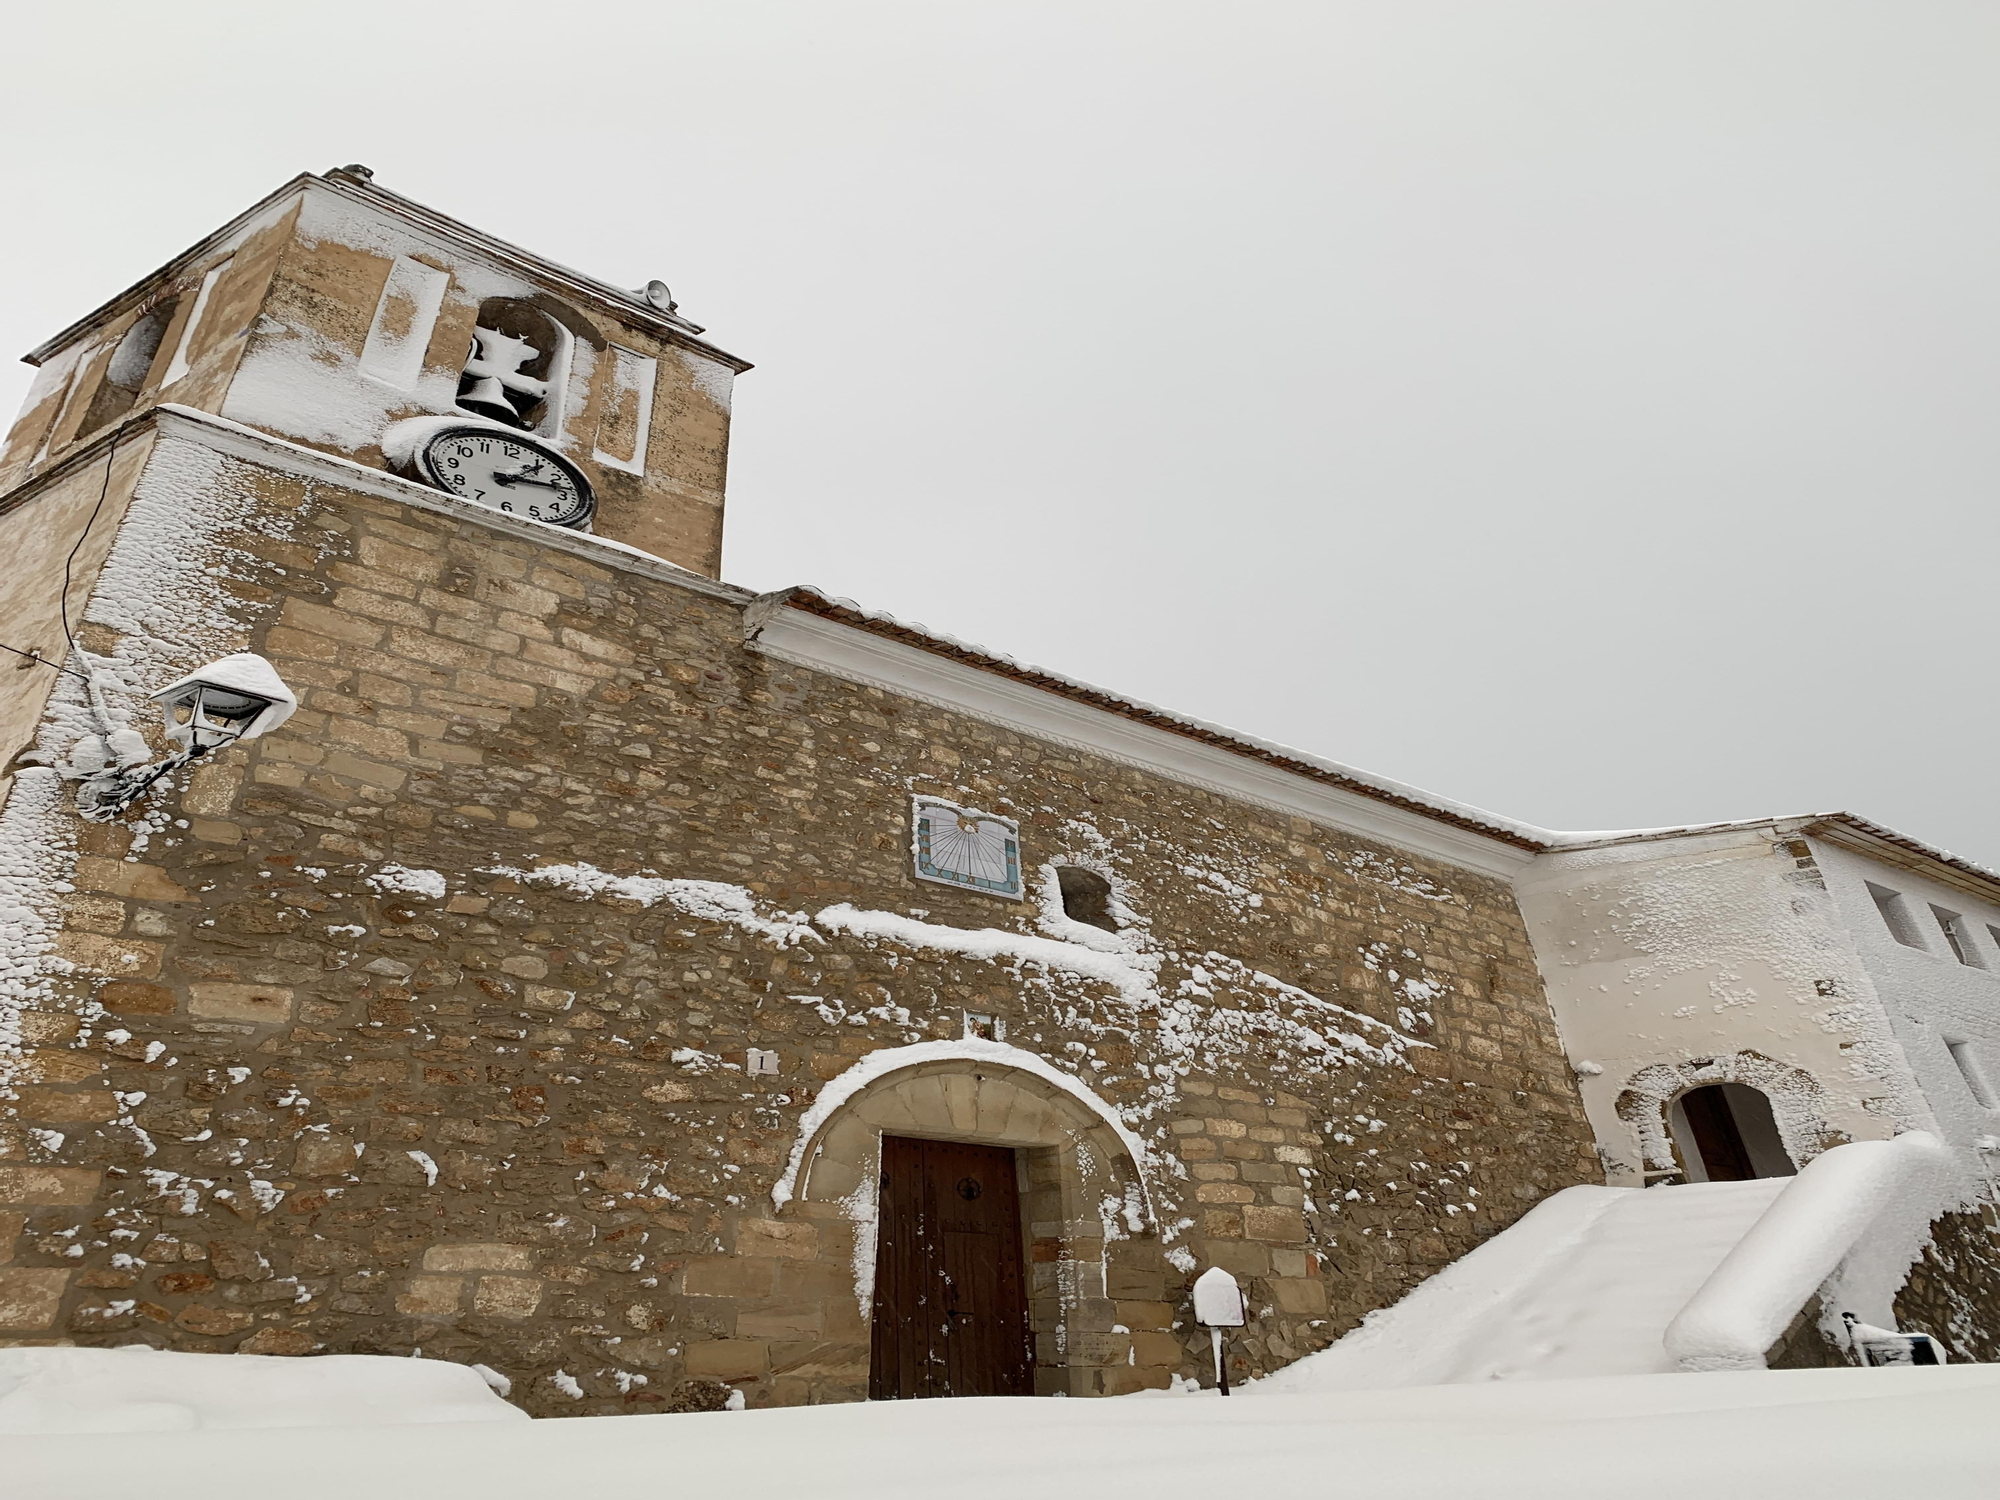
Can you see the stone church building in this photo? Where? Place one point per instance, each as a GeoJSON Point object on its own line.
{"type": "Point", "coordinates": [640, 987]}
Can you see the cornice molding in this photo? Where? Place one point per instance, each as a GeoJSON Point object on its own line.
{"type": "Point", "coordinates": [252, 446]}
{"type": "Point", "coordinates": [812, 641]}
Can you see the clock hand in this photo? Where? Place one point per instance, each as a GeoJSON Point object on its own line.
{"type": "Point", "coordinates": [520, 476]}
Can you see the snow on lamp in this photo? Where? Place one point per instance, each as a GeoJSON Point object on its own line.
{"type": "Point", "coordinates": [236, 698]}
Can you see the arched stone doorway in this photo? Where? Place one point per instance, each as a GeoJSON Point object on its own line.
{"type": "Point", "coordinates": [1093, 1276]}
{"type": "Point", "coordinates": [1781, 1108]}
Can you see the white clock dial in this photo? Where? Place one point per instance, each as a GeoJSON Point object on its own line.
{"type": "Point", "coordinates": [509, 474]}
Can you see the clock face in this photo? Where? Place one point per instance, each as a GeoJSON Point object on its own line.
{"type": "Point", "coordinates": [507, 473]}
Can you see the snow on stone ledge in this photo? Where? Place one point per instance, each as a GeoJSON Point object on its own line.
{"type": "Point", "coordinates": [145, 1390]}
{"type": "Point", "coordinates": [704, 900]}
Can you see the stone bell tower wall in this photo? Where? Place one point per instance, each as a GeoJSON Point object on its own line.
{"type": "Point", "coordinates": [425, 1021]}
{"type": "Point", "coordinates": [335, 309]}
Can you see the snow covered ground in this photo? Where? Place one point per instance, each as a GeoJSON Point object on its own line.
{"type": "Point", "coordinates": [45, 1391]}
{"type": "Point", "coordinates": [1830, 1434]}
{"type": "Point", "coordinates": [1583, 1284]}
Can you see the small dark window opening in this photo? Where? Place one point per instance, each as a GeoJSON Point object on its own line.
{"type": "Point", "coordinates": [1896, 915]}
{"type": "Point", "coordinates": [1086, 897]}
{"type": "Point", "coordinates": [131, 362]}
{"type": "Point", "coordinates": [511, 363]}
{"type": "Point", "coordinates": [1958, 937]}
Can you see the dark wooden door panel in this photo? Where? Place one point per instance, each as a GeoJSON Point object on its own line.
{"type": "Point", "coordinates": [951, 1312]}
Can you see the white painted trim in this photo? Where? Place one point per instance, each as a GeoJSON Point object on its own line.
{"type": "Point", "coordinates": [180, 363]}
{"type": "Point", "coordinates": [399, 363]}
{"type": "Point", "coordinates": [647, 377]}
{"type": "Point", "coordinates": [824, 645]}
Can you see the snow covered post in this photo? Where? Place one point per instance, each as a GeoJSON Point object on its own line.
{"type": "Point", "coordinates": [1218, 1303]}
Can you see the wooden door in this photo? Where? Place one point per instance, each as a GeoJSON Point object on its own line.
{"type": "Point", "coordinates": [951, 1305]}
{"type": "Point", "coordinates": [1724, 1157]}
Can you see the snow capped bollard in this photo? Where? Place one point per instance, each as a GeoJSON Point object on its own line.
{"type": "Point", "coordinates": [1218, 1304]}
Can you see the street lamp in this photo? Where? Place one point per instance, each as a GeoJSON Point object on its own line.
{"type": "Point", "coordinates": [236, 698]}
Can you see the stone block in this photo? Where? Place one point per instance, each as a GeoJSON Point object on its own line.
{"type": "Point", "coordinates": [432, 1297]}
{"type": "Point", "coordinates": [1240, 1259]}
{"type": "Point", "coordinates": [1304, 1297]}
{"type": "Point", "coordinates": [259, 1004]}
{"type": "Point", "coordinates": [53, 1187]}
{"type": "Point", "coordinates": [213, 1322]}
{"type": "Point", "coordinates": [1157, 1349]}
{"type": "Point", "coordinates": [292, 1341]}
{"type": "Point", "coordinates": [775, 1237]}
{"type": "Point", "coordinates": [1225, 1192]}
{"type": "Point", "coordinates": [65, 1106]}
{"type": "Point", "coordinates": [135, 997]}
{"type": "Point", "coordinates": [481, 1257]}
{"type": "Point", "coordinates": [330, 624]}
{"type": "Point", "coordinates": [58, 1065]}
{"type": "Point", "coordinates": [324, 1156]}
{"type": "Point", "coordinates": [725, 1359]}
{"type": "Point", "coordinates": [47, 1028]}
{"type": "Point", "coordinates": [114, 958]}
{"type": "Point", "coordinates": [729, 1276]}
{"type": "Point", "coordinates": [787, 1324]}
{"type": "Point", "coordinates": [30, 1297]}
{"type": "Point", "coordinates": [1285, 1226]}
{"type": "Point", "coordinates": [128, 878]}
{"type": "Point", "coordinates": [506, 1296]}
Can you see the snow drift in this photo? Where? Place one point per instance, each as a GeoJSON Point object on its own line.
{"type": "Point", "coordinates": [145, 1390]}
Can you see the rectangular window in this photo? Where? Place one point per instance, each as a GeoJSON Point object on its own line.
{"type": "Point", "coordinates": [1896, 916]}
{"type": "Point", "coordinates": [1958, 937]}
{"type": "Point", "coordinates": [1971, 1072]}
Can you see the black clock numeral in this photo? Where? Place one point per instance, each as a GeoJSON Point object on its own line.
{"type": "Point", "coordinates": [507, 505]}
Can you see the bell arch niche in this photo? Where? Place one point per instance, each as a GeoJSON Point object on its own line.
{"type": "Point", "coordinates": [518, 368]}
{"type": "Point", "coordinates": [1683, 1116]}
{"type": "Point", "coordinates": [1088, 1238]}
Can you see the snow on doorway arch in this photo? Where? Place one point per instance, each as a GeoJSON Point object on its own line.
{"type": "Point", "coordinates": [886, 1061]}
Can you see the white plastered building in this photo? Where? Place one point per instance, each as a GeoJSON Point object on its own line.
{"type": "Point", "coordinates": [1738, 997]}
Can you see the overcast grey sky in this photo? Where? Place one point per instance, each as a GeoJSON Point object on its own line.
{"type": "Point", "coordinates": [1583, 410]}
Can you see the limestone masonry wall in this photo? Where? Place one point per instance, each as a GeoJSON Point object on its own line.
{"type": "Point", "coordinates": [336, 1070]}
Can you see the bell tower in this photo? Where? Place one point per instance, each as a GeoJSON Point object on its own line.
{"type": "Point", "coordinates": [344, 317]}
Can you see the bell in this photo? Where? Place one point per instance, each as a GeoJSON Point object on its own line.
{"type": "Point", "coordinates": [488, 397]}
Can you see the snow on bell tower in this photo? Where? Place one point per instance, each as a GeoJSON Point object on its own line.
{"type": "Point", "coordinates": [335, 312]}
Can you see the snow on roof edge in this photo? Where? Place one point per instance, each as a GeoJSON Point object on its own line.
{"type": "Point", "coordinates": [389, 201]}
{"type": "Point", "coordinates": [817, 601]}
{"type": "Point", "coordinates": [1800, 822]}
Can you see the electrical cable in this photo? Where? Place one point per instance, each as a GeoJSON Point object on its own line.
{"type": "Point", "coordinates": [69, 562]}
{"type": "Point", "coordinates": [36, 655]}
